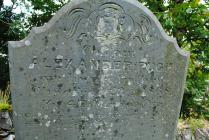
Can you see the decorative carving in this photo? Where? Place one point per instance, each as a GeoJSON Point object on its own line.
{"type": "Point", "coordinates": [108, 20]}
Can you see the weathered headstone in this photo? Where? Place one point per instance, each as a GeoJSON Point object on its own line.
{"type": "Point", "coordinates": [99, 70]}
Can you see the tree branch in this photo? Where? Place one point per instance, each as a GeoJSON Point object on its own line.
{"type": "Point", "coordinates": [1, 4]}
{"type": "Point", "coordinates": [5, 22]}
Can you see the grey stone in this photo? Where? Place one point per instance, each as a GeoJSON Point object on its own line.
{"type": "Point", "coordinates": [99, 70]}
{"type": "Point", "coordinates": [207, 133]}
{"type": "Point", "coordinates": [187, 135]}
{"type": "Point", "coordinates": [9, 137]}
{"type": "Point", "coordinates": [200, 135]}
{"type": "Point", "coordinates": [5, 121]}
{"type": "Point", "coordinates": [178, 135]}
{"type": "Point", "coordinates": [3, 134]}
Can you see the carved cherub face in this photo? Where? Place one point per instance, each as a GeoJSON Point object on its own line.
{"type": "Point", "coordinates": [109, 21]}
{"type": "Point", "coordinates": [110, 24]}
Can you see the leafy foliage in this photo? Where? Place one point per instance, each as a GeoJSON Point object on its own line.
{"type": "Point", "coordinates": [188, 22]}
{"type": "Point", "coordinates": [11, 28]}
{"type": "Point", "coordinates": [43, 11]}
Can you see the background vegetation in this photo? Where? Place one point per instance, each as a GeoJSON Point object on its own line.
{"type": "Point", "coordinates": [4, 100]}
{"type": "Point", "coordinates": [187, 20]}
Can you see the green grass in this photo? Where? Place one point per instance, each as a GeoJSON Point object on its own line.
{"type": "Point", "coordinates": [4, 100]}
{"type": "Point", "coordinates": [195, 123]}
{"type": "Point", "coordinates": [5, 107]}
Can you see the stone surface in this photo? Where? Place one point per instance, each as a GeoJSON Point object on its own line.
{"type": "Point", "coordinates": [5, 121]}
{"type": "Point", "coordinates": [9, 137]}
{"type": "Point", "coordinates": [99, 70]}
{"type": "Point", "coordinates": [187, 135]}
{"type": "Point", "coordinates": [200, 135]}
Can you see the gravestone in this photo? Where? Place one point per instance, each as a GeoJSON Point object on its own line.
{"type": "Point", "coordinates": [99, 70]}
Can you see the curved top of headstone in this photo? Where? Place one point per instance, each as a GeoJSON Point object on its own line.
{"type": "Point", "coordinates": [99, 69]}
{"type": "Point", "coordinates": [74, 3]}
